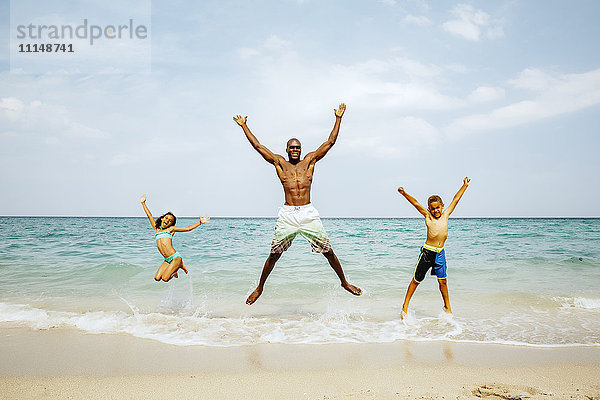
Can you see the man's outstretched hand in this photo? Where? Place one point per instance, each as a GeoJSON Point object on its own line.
{"type": "Point", "coordinates": [340, 111]}
{"type": "Point", "coordinates": [242, 120]}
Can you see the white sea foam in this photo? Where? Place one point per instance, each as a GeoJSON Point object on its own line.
{"type": "Point", "coordinates": [578, 303]}
{"type": "Point", "coordinates": [449, 319]}
{"type": "Point", "coordinates": [196, 329]}
{"type": "Point", "coordinates": [409, 318]}
{"type": "Point", "coordinates": [199, 328]}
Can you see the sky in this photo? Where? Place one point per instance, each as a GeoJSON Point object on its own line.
{"type": "Point", "coordinates": [505, 92]}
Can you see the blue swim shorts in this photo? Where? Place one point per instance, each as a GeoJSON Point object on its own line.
{"type": "Point", "coordinates": [431, 257]}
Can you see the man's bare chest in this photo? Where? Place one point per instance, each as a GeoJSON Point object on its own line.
{"type": "Point", "coordinates": [300, 172]}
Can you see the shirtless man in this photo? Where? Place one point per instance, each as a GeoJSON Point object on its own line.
{"type": "Point", "coordinates": [297, 215]}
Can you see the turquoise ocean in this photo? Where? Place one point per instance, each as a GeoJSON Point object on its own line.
{"type": "Point", "coordinates": [531, 282]}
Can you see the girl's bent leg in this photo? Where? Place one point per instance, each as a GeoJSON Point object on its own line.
{"type": "Point", "coordinates": [161, 270]}
{"type": "Point", "coordinates": [171, 270]}
{"type": "Point", "coordinates": [183, 267]}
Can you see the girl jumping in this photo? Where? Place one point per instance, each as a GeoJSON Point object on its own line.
{"type": "Point", "coordinates": [164, 226]}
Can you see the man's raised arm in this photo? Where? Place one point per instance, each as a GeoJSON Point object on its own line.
{"type": "Point", "coordinates": [266, 153]}
{"type": "Point", "coordinates": [324, 148]}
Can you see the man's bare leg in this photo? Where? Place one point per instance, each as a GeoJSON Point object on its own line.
{"type": "Point", "coordinates": [269, 264]}
{"type": "Point", "coordinates": [335, 264]}
{"type": "Point", "coordinates": [409, 293]}
{"type": "Point", "coordinates": [445, 296]}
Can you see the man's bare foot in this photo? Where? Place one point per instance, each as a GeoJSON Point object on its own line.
{"type": "Point", "coordinates": [352, 289]}
{"type": "Point", "coordinates": [254, 296]}
{"type": "Point", "coordinates": [447, 310]}
{"type": "Point", "coordinates": [402, 314]}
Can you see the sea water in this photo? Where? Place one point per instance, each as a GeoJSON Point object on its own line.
{"type": "Point", "coordinates": [532, 282]}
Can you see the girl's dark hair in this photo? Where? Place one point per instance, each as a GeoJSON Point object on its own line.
{"type": "Point", "coordinates": [159, 219]}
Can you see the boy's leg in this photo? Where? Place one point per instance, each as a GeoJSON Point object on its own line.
{"type": "Point", "coordinates": [409, 293]}
{"type": "Point", "coordinates": [445, 296]}
{"type": "Point", "coordinates": [337, 267]}
{"type": "Point", "coordinates": [423, 264]}
{"type": "Point", "coordinates": [269, 265]}
{"type": "Point", "coordinates": [439, 270]}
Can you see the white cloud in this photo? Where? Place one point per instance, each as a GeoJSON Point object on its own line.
{"type": "Point", "coordinates": [401, 137]}
{"type": "Point", "coordinates": [534, 79]}
{"type": "Point", "coordinates": [246, 53]}
{"type": "Point", "coordinates": [52, 140]}
{"type": "Point", "coordinates": [486, 93]}
{"type": "Point", "coordinates": [275, 43]}
{"type": "Point", "coordinates": [420, 4]}
{"type": "Point", "coordinates": [11, 107]}
{"type": "Point", "coordinates": [407, 67]}
{"type": "Point", "coordinates": [471, 24]}
{"type": "Point", "coordinates": [556, 95]}
{"type": "Point", "coordinates": [417, 20]}
{"type": "Point", "coordinates": [155, 148]}
{"type": "Point", "coordinates": [298, 92]}
{"type": "Point", "coordinates": [456, 68]}
{"type": "Point", "coordinates": [273, 46]}
{"type": "Point", "coordinates": [43, 119]}
{"type": "Point", "coordinates": [399, 83]}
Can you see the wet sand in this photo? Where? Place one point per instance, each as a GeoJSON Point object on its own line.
{"type": "Point", "coordinates": [63, 363]}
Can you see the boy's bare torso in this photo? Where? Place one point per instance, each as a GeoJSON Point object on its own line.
{"type": "Point", "coordinates": [437, 230]}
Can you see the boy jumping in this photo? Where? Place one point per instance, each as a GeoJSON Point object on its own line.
{"type": "Point", "coordinates": [432, 253]}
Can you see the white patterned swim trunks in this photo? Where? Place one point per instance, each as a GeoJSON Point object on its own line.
{"type": "Point", "coordinates": [304, 220]}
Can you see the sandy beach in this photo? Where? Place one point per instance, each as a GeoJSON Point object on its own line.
{"type": "Point", "coordinates": [62, 363]}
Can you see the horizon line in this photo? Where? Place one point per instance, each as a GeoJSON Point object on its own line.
{"type": "Point", "coordinates": [274, 217]}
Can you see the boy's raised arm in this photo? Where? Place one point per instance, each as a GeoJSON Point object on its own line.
{"type": "Point", "coordinates": [458, 195]}
{"type": "Point", "coordinates": [413, 201]}
{"type": "Point", "coordinates": [147, 211]}
{"type": "Point", "coordinates": [267, 154]}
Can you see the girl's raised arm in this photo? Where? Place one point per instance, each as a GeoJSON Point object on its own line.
{"type": "Point", "coordinates": [148, 213]}
{"type": "Point", "coordinates": [201, 221]}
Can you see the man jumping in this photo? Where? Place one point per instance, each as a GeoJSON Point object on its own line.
{"type": "Point", "coordinates": [297, 215]}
